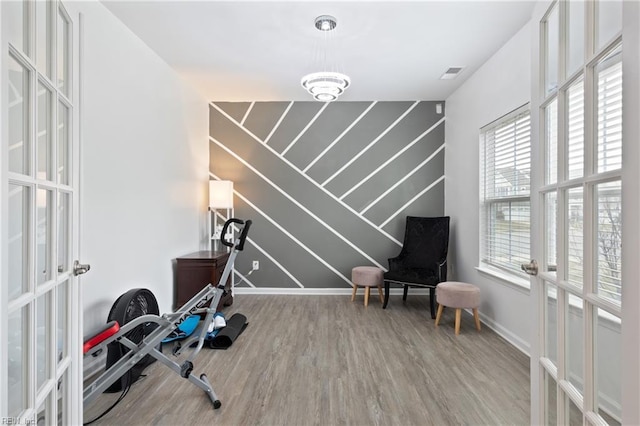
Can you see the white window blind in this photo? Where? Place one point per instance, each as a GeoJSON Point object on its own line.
{"type": "Point", "coordinates": [505, 188]}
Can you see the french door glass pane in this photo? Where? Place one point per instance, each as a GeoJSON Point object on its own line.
{"type": "Point", "coordinates": [43, 235]}
{"type": "Point", "coordinates": [575, 51]}
{"type": "Point", "coordinates": [551, 322]}
{"type": "Point", "coordinates": [575, 130]}
{"type": "Point", "coordinates": [609, 91]}
{"type": "Point", "coordinates": [551, 395]}
{"type": "Point", "coordinates": [61, 337]}
{"type": "Point", "coordinates": [17, 24]}
{"type": "Point", "coordinates": [63, 53]}
{"type": "Point", "coordinates": [609, 240]}
{"type": "Point", "coordinates": [45, 136]}
{"type": "Point", "coordinates": [63, 392]}
{"type": "Point", "coordinates": [608, 366]}
{"type": "Point", "coordinates": [550, 226]}
{"type": "Point", "coordinates": [43, 36]}
{"type": "Point", "coordinates": [552, 32]}
{"type": "Point", "coordinates": [609, 20]}
{"type": "Point", "coordinates": [18, 122]}
{"type": "Point", "coordinates": [42, 339]}
{"type": "Point", "coordinates": [575, 415]}
{"type": "Point", "coordinates": [551, 141]}
{"type": "Point", "coordinates": [64, 209]}
{"type": "Point", "coordinates": [18, 247]}
{"type": "Point", "coordinates": [575, 341]}
{"type": "Point", "coordinates": [575, 225]}
{"type": "Point", "coordinates": [18, 365]}
{"type": "Point", "coordinates": [63, 144]}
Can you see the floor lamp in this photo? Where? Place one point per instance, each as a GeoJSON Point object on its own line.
{"type": "Point", "coordinates": [220, 197]}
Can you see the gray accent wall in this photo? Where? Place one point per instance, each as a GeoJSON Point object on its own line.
{"type": "Point", "coordinates": [327, 185]}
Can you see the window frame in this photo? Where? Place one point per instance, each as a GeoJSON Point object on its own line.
{"type": "Point", "coordinates": [485, 261]}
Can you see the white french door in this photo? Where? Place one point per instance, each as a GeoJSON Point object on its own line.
{"type": "Point", "coordinates": [40, 144]}
{"type": "Point", "coordinates": [576, 361]}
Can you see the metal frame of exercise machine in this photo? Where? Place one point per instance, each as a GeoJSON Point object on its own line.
{"type": "Point", "coordinates": [164, 325]}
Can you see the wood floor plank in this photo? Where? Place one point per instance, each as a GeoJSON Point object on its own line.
{"type": "Point", "coordinates": [322, 360]}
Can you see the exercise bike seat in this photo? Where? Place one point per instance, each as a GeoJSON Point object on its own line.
{"type": "Point", "coordinates": [100, 335]}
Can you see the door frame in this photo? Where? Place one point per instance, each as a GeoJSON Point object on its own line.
{"type": "Point", "coordinates": [630, 334]}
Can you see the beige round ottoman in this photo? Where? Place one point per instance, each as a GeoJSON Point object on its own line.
{"type": "Point", "coordinates": [453, 294]}
{"type": "Point", "coordinates": [367, 277]}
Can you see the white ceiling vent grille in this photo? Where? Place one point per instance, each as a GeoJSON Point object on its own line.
{"type": "Point", "coordinates": [451, 73]}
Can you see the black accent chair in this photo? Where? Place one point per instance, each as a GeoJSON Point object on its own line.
{"type": "Point", "coordinates": [422, 262]}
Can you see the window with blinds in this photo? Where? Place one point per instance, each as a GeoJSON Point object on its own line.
{"type": "Point", "coordinates": [505, 189]}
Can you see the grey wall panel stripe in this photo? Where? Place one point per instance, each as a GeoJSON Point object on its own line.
{"type": "Point", "coordinates": [306, 235]}
{"type": "Point", "coordinates": [409, 162]}
{"type": "Point", "coordinates": [293, 123]}
{"type": "Point", "coordinates": [411, 127]}
{"type": "Point", "coordinates": [327, 127]}
{"type": "Point", "coordinates": [263, 117]}
{"type": "Point", "coordinates": [381, 116]}
{"type": "Point", "coordinates": [277, 205]}
{"type": "Point", "coordinates": [236, 110]}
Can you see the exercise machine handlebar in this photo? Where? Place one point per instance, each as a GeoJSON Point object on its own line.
{"type": "Point", "coordinates": [243, 234]}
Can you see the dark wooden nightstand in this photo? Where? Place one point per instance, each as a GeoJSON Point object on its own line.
{"type": "Point", "coordinates": [195, 270]}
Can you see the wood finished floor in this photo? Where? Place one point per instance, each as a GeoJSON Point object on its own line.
{"type": "Point", "coordinates": [322, 360]}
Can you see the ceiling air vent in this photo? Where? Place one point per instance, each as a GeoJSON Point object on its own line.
{"type": "Point", "coordinates": [451, 73]}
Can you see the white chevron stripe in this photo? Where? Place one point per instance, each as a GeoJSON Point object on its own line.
{"type": "Point", "coordinates": [275, 262]}
{"type": "Point", "coordinates": [373, 142]}
{"type": "Point", "coordinates": [407, 176]}
{"type": "Point", "coordinates": [284, 114]}
{"type": "Point", "coordinates": [396, 155]}
{"type": "Point", "coordinates": [292, 237]}
{"type": "Point", "coordinates": [242, 278]}
{"type": "Point", "coordinates": [340, 137]}
{"type": "Point", "coordinates": [297, 203]}
{"type": "Point", "coordinates": [408, 203]}
{"type": "Point", "coordinates": [315, 117]}
{"type": "Point", "coordinates": [246, 114]}
{"type": "Point", "coordinates": [293, 167]}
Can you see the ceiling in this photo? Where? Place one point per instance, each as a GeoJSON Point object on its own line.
{"type": "Point", "coordinates": [258, 51]}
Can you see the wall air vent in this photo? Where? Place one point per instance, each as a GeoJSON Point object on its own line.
{"type": "Point", "coordinates": [451, 73]}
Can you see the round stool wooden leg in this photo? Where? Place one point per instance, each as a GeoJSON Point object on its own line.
{"type": "Point", "coordinates": [477, 318]}
{"type": "Point", "coordinates": [353, 294]}
{"type": "Point", "coordinates": [458, 312]}
{"type": "Point", "coordinates": [380, 294]}
{"type": "Point", "coordinates": [367, 290]}
{"type": "Point", "coordinates": [439, 314]}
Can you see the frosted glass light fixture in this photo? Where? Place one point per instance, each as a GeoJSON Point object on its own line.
{"type": "Point", "coordinates": [325, 86]}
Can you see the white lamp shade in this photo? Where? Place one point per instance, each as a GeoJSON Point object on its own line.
{"type": "Point", "coordinates": [220, 194]}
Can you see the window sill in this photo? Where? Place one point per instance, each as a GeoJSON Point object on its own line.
{"type": "Point", "coordinates": [505, 278]}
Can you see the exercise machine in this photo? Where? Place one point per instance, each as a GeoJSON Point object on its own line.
{"type": "Point", "coordinates": [152, 329]}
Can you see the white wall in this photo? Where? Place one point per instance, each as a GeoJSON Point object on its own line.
{"type": "Point", "coordinates": [501, 85]}
{"type": "Point", "coordinates": [145, 158]}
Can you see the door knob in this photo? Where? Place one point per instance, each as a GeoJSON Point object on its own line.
{"type": "Point", "coordinates": [79, 268]}
{"type": "Point", "coordinates": [530, 268]}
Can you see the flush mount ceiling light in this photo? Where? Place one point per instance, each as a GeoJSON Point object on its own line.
{"type": "Point", "coordinates": [325, 86]}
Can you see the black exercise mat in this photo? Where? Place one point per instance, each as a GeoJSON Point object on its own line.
{"type": "Point", "coordinates": [225, 338]}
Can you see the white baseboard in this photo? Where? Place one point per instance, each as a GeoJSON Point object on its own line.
{"type": "Point", "coordinates": [507, 335]}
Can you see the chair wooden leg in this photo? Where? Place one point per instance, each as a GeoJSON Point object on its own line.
{"type": "Point", "coordinates": [458, 312]}
{"type": "Point", "coordinates": [380, 294]}
{"type": "Point", "coordinates": [367, 290]}
{"type": "Point", "coordinates": [477, 318]}
{"type": "Point", "coordinates": [353, 294]}
{"type": "Point", "coordinates": [440, 309]}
